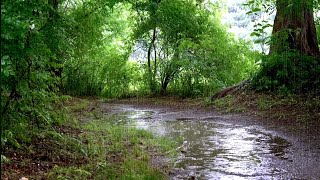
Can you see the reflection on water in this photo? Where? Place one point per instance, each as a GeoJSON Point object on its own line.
{"type": "Point", "coordinates": [212, 149]}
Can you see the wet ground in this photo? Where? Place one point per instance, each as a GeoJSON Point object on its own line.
{"type": "Point", "coordinates": [225, 146]}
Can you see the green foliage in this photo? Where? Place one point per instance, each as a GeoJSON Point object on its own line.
{"type": "Point", "coordinates": [195, 56]}
{"type": "Point", "coordinates": [46, 45]}
{"type": "Point", "coordinates": [216, 62]}
{"type": "Point", "coordinates": [317, 22]}
{"type": "Point", "coordinates": [100, 67]}
{"type": "Point", "coordinates": [224, 102]}
{"type": "Point", "coordinates": [187, 47]}
{"type": "Point", "coordinates": [288, 72]}
{"type": "Point", "coordinates": [116, 152]}
{"type": "Point", "coordinates": [69, 173]}
{"type": "Point", "coordinates": [31, 53]}
{"type": "Point", "coordinates": [179, 20]}
{"type": "Point", "coordinates": [285, 70]}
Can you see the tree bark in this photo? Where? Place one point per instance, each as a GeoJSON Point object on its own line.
{"type": "Point", "coordinates": [155, 56]}
{"type": "Point", "coordinates": [151, 79]}
{"type": "Point", "coordinates": [229, 90]}
{"type": "Point", "coordinates": [164, 86]}
{"type": "Point", "coordinates": [295, 19]}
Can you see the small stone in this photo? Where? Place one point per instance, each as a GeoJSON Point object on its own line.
{"type": "Point", "coordinates": [183, 151]}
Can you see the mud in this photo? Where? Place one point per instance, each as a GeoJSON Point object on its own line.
{"type": "Point", "coordinates": [220, 146]}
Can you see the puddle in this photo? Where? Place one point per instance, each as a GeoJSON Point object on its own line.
{"type": "Point", "coordinates": [213, 149]}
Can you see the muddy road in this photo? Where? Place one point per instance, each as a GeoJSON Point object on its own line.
{"type": "Point", "coordinates": [217, 146]}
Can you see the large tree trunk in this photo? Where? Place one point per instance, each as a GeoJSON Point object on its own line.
{"type": "Point", "coordinates": [295, 20]}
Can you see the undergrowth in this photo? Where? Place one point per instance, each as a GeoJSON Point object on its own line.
{"type": "Point", "coordinates": [288, 73]}
{"type": "Point", "coordinates": [303, 108]}
{"type": "Point", "coordinates": [87, 146]}
{"type": "Point", "coordinates": [116, 152]}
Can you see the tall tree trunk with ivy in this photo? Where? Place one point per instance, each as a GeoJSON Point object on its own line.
{"type": "Point", "coordinates": [294, 28]}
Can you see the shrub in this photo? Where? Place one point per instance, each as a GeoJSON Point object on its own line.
{"type": "Point", "coordinates": [288, 72]}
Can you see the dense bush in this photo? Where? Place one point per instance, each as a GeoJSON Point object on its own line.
{"type": "Point", "coordinates": [34, 44]}
{"type": "Point", "coordinates": [192, 54]}
{"type": "Point", "coordinates": [288, 72]}
{"type": "Point", "coordinates": [38, 41]}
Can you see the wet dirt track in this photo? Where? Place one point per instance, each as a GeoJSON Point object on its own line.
{"type": "Point", "coordinates": [226, 146]}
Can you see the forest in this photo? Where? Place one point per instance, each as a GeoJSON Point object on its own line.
{"type": "Point", "coordinates": [60, 57]}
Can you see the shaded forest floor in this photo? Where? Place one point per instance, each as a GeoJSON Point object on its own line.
{"type": "Point", "coordinates": [298, 109]}
{"type": "Point", "coordinates": [293, 111]}
{"type": "Point", "coordinates": [87, 146]}
{"type": "Point", "coordinates": [73, 150]}
{"type": "Point", "coordinates": [45, 149]}
{"type": "Point", "coordinates": [293, 114]}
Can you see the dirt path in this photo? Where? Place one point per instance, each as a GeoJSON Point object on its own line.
{"type": "Point", "coordinates": [300, 158]}
{"type": "Point", "coordinates": [215, 145]}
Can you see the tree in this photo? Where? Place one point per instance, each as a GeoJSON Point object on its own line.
{"type": "Point", "coordinates": [292, 64]}
{"type": "Point", "coordinates": [37, 40]}
{"type": "Point", "coordinates": [294, 25]}
{"type": "Point", "coordinates": [147, 20]}
{"type": "Point", "coordinates": [164, 25]}
{"type": "Point", "coordinates": [33, 44]}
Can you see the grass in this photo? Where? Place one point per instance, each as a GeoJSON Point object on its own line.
{"type": "Point", "coordinates": [301, 108]}
{"type": "Point", "coordinates": [227, 104]}
{"type": "Point", "coordinates": [87, 146]}
{"type": "Point", "coordinates": [116, 152]}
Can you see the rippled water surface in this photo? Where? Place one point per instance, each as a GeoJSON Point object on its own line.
{"type": "Point", "coordinates": [213, 148]}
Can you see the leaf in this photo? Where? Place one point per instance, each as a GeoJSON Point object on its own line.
{"type": "Point", "coordinates": [256, 10]}
{"type": "Point", "coordinates": [4, 60]}
{"type": "Point", "coordinates": [251, 2]}
{"type": "Point", "coordinates": [258, 41]}
{"type": "Point", "coordinates": [290, 5]}
{"type": "Point", "coordinates": [255, 34]}
{"type": "Point", "coordinates": [4, 159]}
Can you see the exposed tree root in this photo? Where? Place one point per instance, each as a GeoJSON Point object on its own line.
{"type": "Point", "coordinates": [229, 90]}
